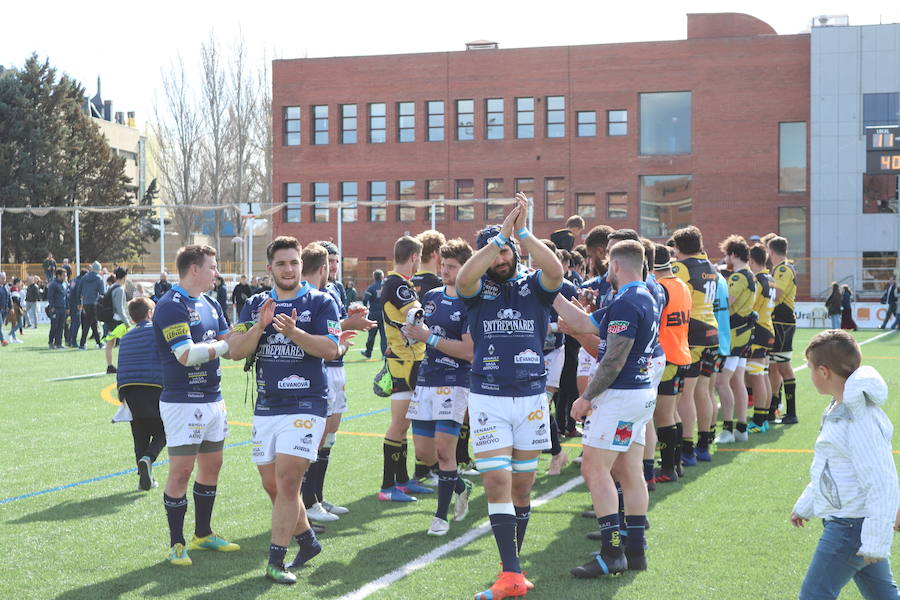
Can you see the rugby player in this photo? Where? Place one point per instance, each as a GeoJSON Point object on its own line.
{"type": "Point", "coordinates": [322, 275]}
{"type": "Point", "coordinates": [785, 322]}
{"type": "Point", "coordinates": [657, 365]}
{"type": "Point", "coordinates": [404, 355]}
{"type": "Point", "coordinates": [762, 344]}
{"type": "Point", "coordinates": [695, 405]}
{"type": "Point", "coordinates": [191, 334]}
{"type": "Point", "coordinates": [616, 406]}
{"type": "Point", "coordinates": [509, 312]}
{"type": "Point", "coordinates": [438, 406]}
{"type": "Point", "coordinates": [673, 337]}
{"type": "Point", "coordinates": [289, 330]}
{"type": "Point", "coordinates": [741, 298]}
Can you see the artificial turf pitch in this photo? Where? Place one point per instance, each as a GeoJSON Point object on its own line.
{"type": "Point", "coordinates": [722, 532]}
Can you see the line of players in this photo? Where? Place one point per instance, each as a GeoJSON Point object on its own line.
{"type": "Point", "coordinates": [650, 331]}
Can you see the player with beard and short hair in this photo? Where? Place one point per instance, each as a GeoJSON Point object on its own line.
{"type": "Point", "coordinates": [438, 406]}
{"type": "Point", "coordinates": [288, 332]}
{"type": "Point", "coordinates": [509, 313]}
{"type": "Point", "coordinates": [616, 407]}
{"type": "Point", "coordinates": [762, 343]}
{"type": "Point", "coordinates": [785, 322]}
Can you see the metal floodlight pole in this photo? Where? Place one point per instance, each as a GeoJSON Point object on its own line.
{"type": "Point", "coordinates": [251, 222]}
{"type": "Point", "coordinates": [340, 241]}
{"type": "Point", "coordinates": [77, 242]}
{"type": "Point", "coordinates": [433, 210]}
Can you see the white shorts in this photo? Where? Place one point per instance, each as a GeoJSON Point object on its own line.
{"type": "Point", "coordinates": [553, 361]}
{"type": "Point", "coordinates": [587, 364]}
{"type": "Point", "coordinates": [657, 368]}
{"type": "Point", "coordinates": [190, 424]}
{"type": "Point", "coordinates": [337, 390]}
{"type": "Point", "coordinates": [618, 418]}
{"type": "Point", "coordinates": [297, 435]}
{"type": "Point", "coordinates": [444, 403]}
{"type": "Point", "coordinates": [497, 422]}
{"type": "Point", "coordinates": [733, 363]}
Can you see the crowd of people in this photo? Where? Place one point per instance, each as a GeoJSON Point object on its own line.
{"type": "Point", "coordinates": [489, 362]}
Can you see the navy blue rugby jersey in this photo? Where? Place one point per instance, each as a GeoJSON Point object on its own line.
{"type": "Point", "coordinates": [180, 319]}
{"type": "Point", "coordinates": [447, 317]}
{"type": "Point", "coordinates": [335, 293]}
{"type": "Point", "coordinates": [632, 314]}
{"type": "Point", "coordinates": [556, 340]}
{"type": "Point", "coordinates": [508, 322]}
{"type": "Point", "coordinates": [659, 294]}
{"type": "Point", "coordinates": [603, 287]}
{"type": "Point", "coordinates": [288, 380]}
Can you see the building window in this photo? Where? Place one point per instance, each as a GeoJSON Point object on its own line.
{"type": "Point", "coordinates": [666, 123]}
{"type": "Point", "coordinates": [524, 118]}
{"type": "Point", "coordinates": [320, 124]}
{"type": "Point", "coordinates": [556, 116]}
{"type": "Point", "coordinates": [465, 190]}
{"type": "Point", "coordinates": [320, 202]}
{"type": "Point", "coordinates": [465, 119]}
{"type": "Point", "coordinates": [293, 212]}
{"type": "Point", "coordinates": [435, 120]}
{"type": "Point", "coordinates": [434, 190]}
{"type": "Point", "coordinates": [291, 117]}
{"type": "Point", "coordinates": [406, 190]}
{"type": "Point", "coordinates": [377, 123]}
{"type": "Point", "coordinates": [348, 124]}
{"type": "Point", "coordinates": [406, 122]}
{"type": "Point", "coordinates": [881, 110]}
{"type": "Point", "coordinates": [378, 193]}
{"type": "Point", "coordinates": [616, 122]}
{"type": "Point", "coordinates": [587, 123]}
{"type": "Point", "coordinates": [666, 204]}
{"type": "Point", "coordinates": [878, 267]}
{"type": "Point", "coordinates": [493, 127]}
{"type": "Point", "coordinates": [792, 227]}
{"type": "Point", "coordinates": [792, 157]}
{"type": "Point", "coordinates": [617, 205]}
{"type": "Point", "coordinates": [525, 185]}
{"type": "Point", "coordinates": [555, 197]}
{"type": "Point", "coordinates": [880, 193]}
{"type": "Point", "coordinates": [586, 205]}
{"type": "Point", "coordinates": [349, 197]}
{"type": "Point", "coordinates": [493, 190]}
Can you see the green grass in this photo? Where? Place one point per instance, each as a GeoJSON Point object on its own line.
{"type": "Point", "coordinates": [723, 533]}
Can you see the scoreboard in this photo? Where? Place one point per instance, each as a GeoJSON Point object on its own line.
{"type": "Point", "coordinates": [882, 150]}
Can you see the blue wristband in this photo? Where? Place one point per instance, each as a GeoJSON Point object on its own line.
{"type": "Point", "coordinates": [500, 240]}
{"type": "Point", "coordinates": [433, 340]}
{"type": "Point", "coordinates": [523, 233]}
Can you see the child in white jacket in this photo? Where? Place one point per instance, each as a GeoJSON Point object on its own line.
{"type": "Point", "coordinates": [854, 480]}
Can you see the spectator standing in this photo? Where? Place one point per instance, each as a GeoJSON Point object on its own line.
{"type": "Point", "coordinates": [58, 307]}
{"type": "Point", "coordinates": [5, 305]}
{"type": "Point", "coordinates": [67, 268]}
{"type": "Point", "coordinates": [847, 321]}
{"type": "Point", "coordinates": [32, 296]}
{"type": "Point", "coordinates": [49, 268]}
{"type": "Point", "coordinates": [161, 287]}
{"type": "Point", "coordinates": [139, 382]}
{"type": "Point", "coordinates": [265, 285]}
{"type": "Point", "coordinates": [222, 297]}
{"type": "Point", "coordinates": [74, 310]}
{"type": "Point", "coordinates": [565, 238]}
{"type": "Point", "coordinates": [119, 323]}
{"type": "Point", "coordinates": [833, 305]}
{"type": "Point", "coordinates": [890, 298]}
{"type": "Point", "coordinates": [14, 316]}
{"type": "Point", "coordinates": [88, 297]}
{"type": "Point", "coordinates": [240, 294]}
{"type": "Point", "coordinates": [372, 300]}
{"type": "Point", "coordinates": [352, 295]}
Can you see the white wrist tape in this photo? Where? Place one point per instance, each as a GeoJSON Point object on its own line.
{"type": "Point", "coordinates": [197, 354]}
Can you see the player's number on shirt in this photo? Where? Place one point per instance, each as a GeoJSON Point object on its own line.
{"type": "Point", "coordinates": [710, 289]}
{"type": "Point", "coordinates": [652, 343]}
{"type": "Point", "coordinates": [772, 292]}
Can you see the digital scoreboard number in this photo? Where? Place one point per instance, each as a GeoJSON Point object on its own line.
{"type": "Point", "coordinates": [882, 150]}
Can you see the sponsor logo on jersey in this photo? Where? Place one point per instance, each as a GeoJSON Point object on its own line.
{"type": "Point", "coordinates": [527, 357]}
{"type": "Point", "coordinates": [624, 431]}
{"type": "Point", "coordinates": [491, 363]}
{"type": "Point", "coordinates": [489, 289]}
{"type": "Point", "coordinates": [198, 414]}
{"type": "Point", "coordinates": [293, 382]}
{"type": "Point", "coordinates": [428, 309]}
{"type": "Point", "coordinates": [524, 290]}
{"type": "Point", "coordinates": [438, 330]}
{"type": "Point", "coordinates": [194, 316]}
{"type": "Point", "coordinates": [405, 294]}
{"type": "Point", "coordinates": [448, 362]}
{"type": "Point", "coordinates": [541, 430]}
{"type": "Point", "coordinates": [177, 330]}
{"type": "Point", "coordinates": [482, 419]}
{"type": "Point", "coordinates": [508, 320]}
{"type": "Point", "coordinates": [493, 387]}
{"type": "Point", "coordinates": [278, 346]}
{"type": "Point", "coordinates": [456, 316]}
{"type": "Point", "coordinates": [303, 424]}
{"type": "Point", "coordinates": [334, 327]}
{"type": "Point", "coordinates": [305, 317]}
{"type": "Point", "coordinates": [508, 313]}
{"type": "Point", "coordinates": [617, 326]}
{"type": "Point", "coordinates": [491, 349]}
{"type": "Point", "coordinates": [208, 335]}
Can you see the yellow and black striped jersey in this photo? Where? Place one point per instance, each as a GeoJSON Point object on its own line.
{"type": "Point", "coordinates": [398, 297]}
{"type": "Point", "coordinates": [785, 276]}
{"type": "Point", "coordinates": [701, 278]}
{"type": "Point", "coordinates": [764, 301]}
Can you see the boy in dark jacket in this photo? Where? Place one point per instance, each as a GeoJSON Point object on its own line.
{"type": "Point", "coordinates": [139, 382]}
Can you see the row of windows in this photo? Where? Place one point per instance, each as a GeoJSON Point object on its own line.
{"type": "Point", "coordinates": [435, 113]}
{"type": "Point", "coordinates": [437, 189]}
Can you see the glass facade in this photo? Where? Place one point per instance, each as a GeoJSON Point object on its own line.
{"type": "Point", "coordinates": [666, 123]}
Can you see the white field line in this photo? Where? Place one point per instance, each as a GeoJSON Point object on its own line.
{"type": "Point", "coordinates": [73, 377]}
{"type": "Point", "coordinates": [463, 540]}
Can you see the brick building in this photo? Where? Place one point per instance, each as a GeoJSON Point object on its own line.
{"type": "Point", "coordinates": [711, 130]}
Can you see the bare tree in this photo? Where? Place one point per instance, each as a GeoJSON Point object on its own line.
{"type": "Point", "coordinates": [263, 134]}
{"type": "Point", "coordinates": [244, 94]}
{"type": "Point", "coordinates": [216, 100]}
{"type": "Point", "coordinates": [178, 131]}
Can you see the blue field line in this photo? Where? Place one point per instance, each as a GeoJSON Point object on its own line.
{"type": "Point", "coordinates": [156, 464]}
